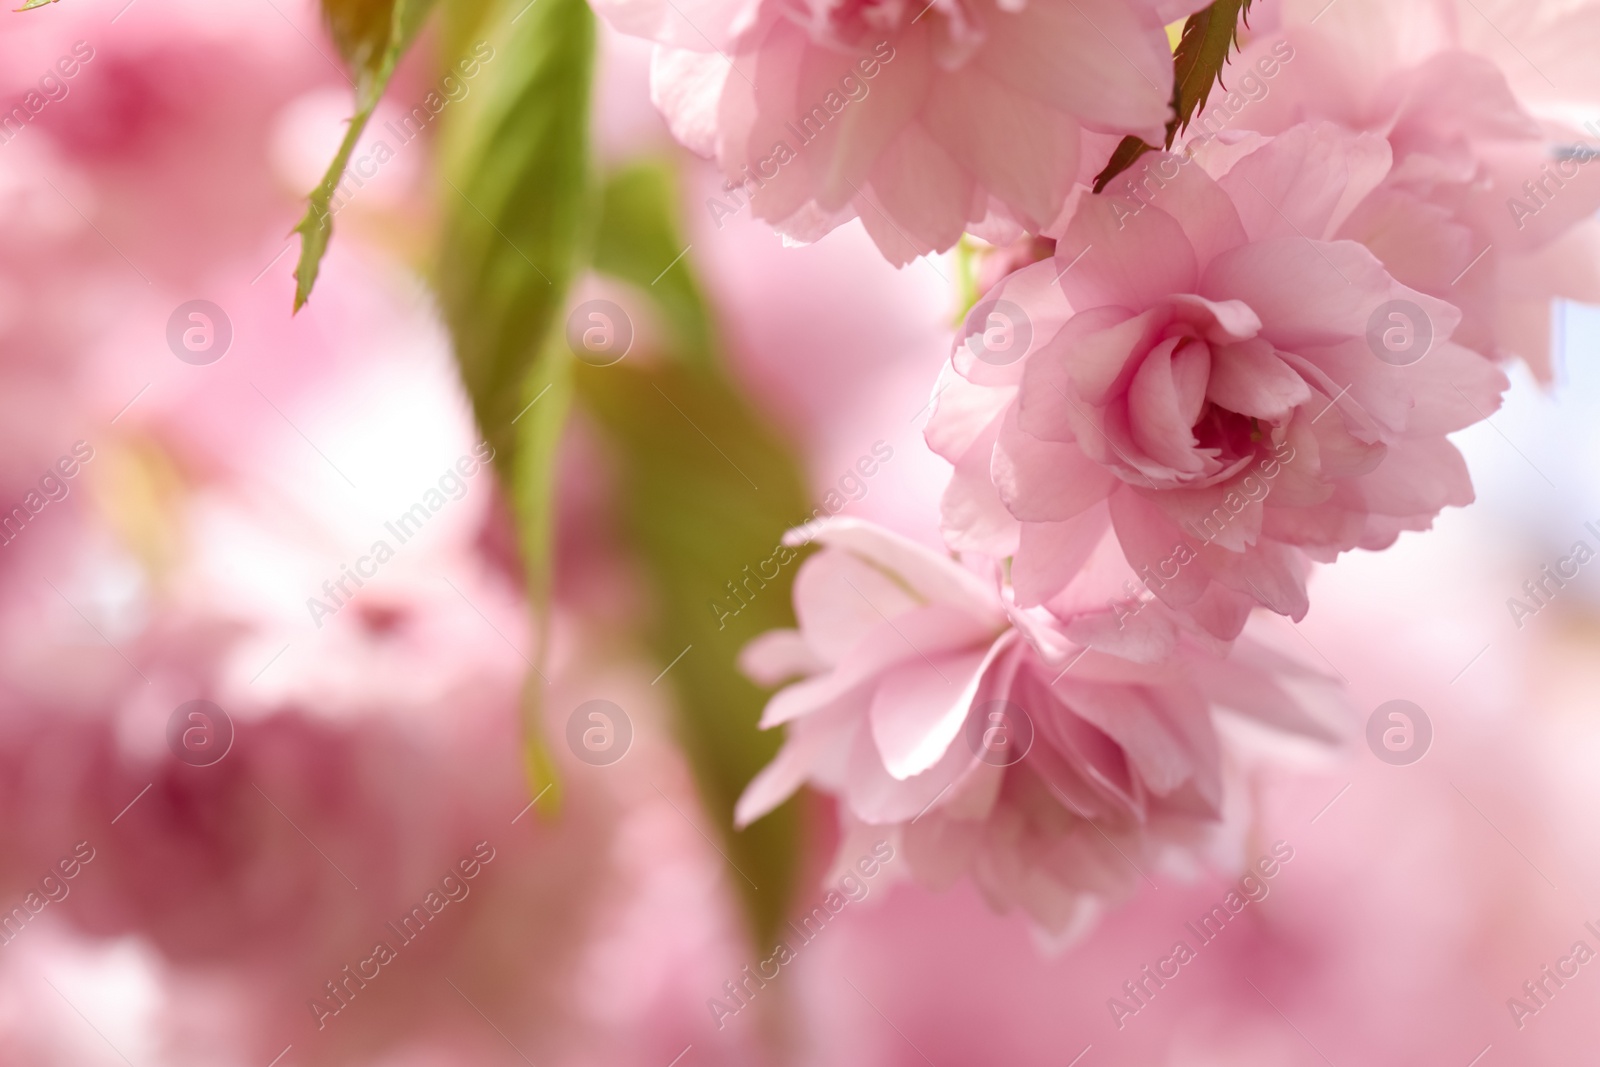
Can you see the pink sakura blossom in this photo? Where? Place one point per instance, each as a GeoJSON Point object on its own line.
{"type": "Point", "coordinates": [923, 119]}
{"type": "Point", "coordinates": [1205, 377]}
{"type": "Point", "coordinates": [1491, 198]}
{"type": "Point", "coordinates": [1001, 750]}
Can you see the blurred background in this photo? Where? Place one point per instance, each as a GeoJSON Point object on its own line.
{"type": "Point", "coordinates": [241, 746]}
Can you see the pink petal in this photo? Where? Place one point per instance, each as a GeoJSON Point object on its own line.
{"type": "Point", "coordinates": [847, 135]}
{"type": "Point", "coordinates": [933, 631]}
{"type": "Point", "coordinates": [790, 768]}
{"type": "Point", "coordinates": [1219, 321]}
{"type": "Point", "coordinates": [1091, 58]}
{"type": "Point", "coordinates": [1045, 481]}
{"type": "Point", "coordinates": [839, 599]}
{"type": "Point", "coordinates": [962, 414]}
{"type": "Point", "coordinates": [686, 86]}
{"type": "Point", "coordinates": [1129, 716]}
{"type": "Point", "coordinates": [919, 707]}
{"type": "Point", "coordinates": [930, 575]}
{"type": "Point", "coordinates": [923, 189]}
{"type": "Point", "coordinates": [1150, 539]}
{"type": "Point", "coordinates": [1138, 634]}
{"type": "Point", "coordinates": [1031, 290]}
{"type": "Point", "coordinates": [1022, 152]}
{"type": "Point", "coordinates": [1250, 379]}
{"type": "Point", "coordinates": [1306, 181]}
{"type": "Point", "coordinates": [1221, 612]}
{"type": "Point", "coordinates": [1092, 357]}
{"type": "Point", "coordinates": [1313, 292]}
{"type": "Point", "coordinates": [1274, 575]}
{"type": "Point", "coordinates": [1133, 255]}
{"type": "Point", "coordinates": [973, 518]}
{"type": "Point", "coordinates": [1085, 767]}
{"type": "Point", "coordinates": [874, 796]}
{"type": "Point", "coordinates": [701, 25]}
{"type": "Point", "coordinates": [778, 655]}
{"type": "Point", "coordinates": [1164, 401]}
{"type": "Point", "coordinates": [1223, 515]}
{"type": "Point", "coordinates": [1275, 689]}
{"type": "Point", "coordinates": [1188, 194]}
{"type": "Point", "coordinates": [1417, 479]}
{"type": "Point", "coordinates": [1050, 554]}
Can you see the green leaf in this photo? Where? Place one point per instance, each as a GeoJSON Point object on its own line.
{"type": "Point", "coordinates": [708, 491]}
{"type": "Point", "coordinates": [546, 390]}
{"type": "Point", "coordinates": [372, 35]}
{"type": "Point", "coordinates": [519, 208]}
{"type": "Point", "coordinates": [1127, 153]}
{"type": "Point", "coordinates": [1197, 64]}
{"type": "Point", "coordinates": [518, 219]}
{"type": "Point", "coordinates": [31, 4]}
{"type": "Point", "coordinates": [639, 242]}
{"type": "Point", "coordinates": [464, 23]}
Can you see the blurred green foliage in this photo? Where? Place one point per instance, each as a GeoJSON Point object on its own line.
{"type": "Point", "coordinates": [638, 242]}
{"type": "Point", "coordinates": [708, 490]}
{"type": "Point", "coordinates": [707, 487]}
{"type": "Point", "coordinates": [519, 207]}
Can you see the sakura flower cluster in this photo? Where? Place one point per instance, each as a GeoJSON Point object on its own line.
{"type": "Point", "coordinates": [1241, 358]}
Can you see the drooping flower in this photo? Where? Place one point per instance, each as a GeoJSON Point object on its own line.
{"type": "Point", "coordinates": [993, 748]}
{"type": "Point", "coordinates": [924, 120]}
{"type": "Point", "coordinates": [1432, 908]}
{"type": "Point", "coordinates": [1243, 392]}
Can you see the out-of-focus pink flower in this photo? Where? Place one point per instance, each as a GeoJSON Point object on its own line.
{"type": "Point", "coordinates": [1490, 202]}
{"type": "Point", "coordinates": [1209, 362]}
{"type": "Point", "coordinates": [923, 120]}
{"type": "Point", "coordinates": [925, 710]}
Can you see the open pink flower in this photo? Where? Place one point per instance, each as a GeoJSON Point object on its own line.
{"type": "Point", "coordinates": [924, 709]}
{"type": "Point", "coordinates": [925, 119]}
{"type": "Point", "coordinates": [1242, 393]}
